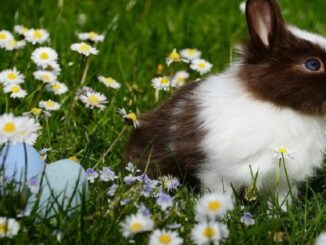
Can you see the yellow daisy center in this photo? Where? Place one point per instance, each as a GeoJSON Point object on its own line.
{"type": "Point", "coordinates": [174, 56]}
{"type": "Point", "coordinates": [208, 232]}
{"type": "Point", "coordinates": [37, 34]}
{"type": "Point", "coordinates": [56, 86]}
{"type": "Point", "coordinates": [9, 127]}
{"type": "Point", "coordinates": [46, 78]}
{"type": "Point", "coordinates": [11, 75]}
{"type": "Point", "coordinates": [93, 99]}
{"type": "Point", "coordinates": [73, 158]}
{"type": "Point", "coordinates": [15, 89]}
{"type": "Point", "coordinates": [92, 35]}
{"type": "Point", "coordinates": [202, 65]}
{"type": "Point", "coordinates": [36, 111]}
{"type": "Point", "coordinates": [49, 103]}
{"type": "Point", "coordinates": [84, 47]}
{"type": "Point", "coordinates": [109, 80]}
{"type": "Point", "coordinates": [282, 150]}
{"type": "Point", "coordinates": [3, 36]}
{"type": "Point", "coordinates": [132, 116]}
{"type": "Point", "coordinates": [165, 81]}
{"type": "Point", "coordinates": [165, 238]}
{"type": "Point", "coordinates": [3, 228]}
{"type": "Point", "coordinates": [214, 205]}
{"type": "Point", "coordinates": [136, 227]}
{"type": "Point", "coordinates": [12, 43]}
{"type": "Point", "coordinates": [191, 51]}
{"type": "Point", "coordinates": [44, 56]}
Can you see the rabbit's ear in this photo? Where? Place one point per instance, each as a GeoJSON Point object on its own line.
{"type": "Point", "coordinates": [265, 22]}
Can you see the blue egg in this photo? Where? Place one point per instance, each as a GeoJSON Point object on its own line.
{"type": "Point", "coordinates": [63, 187]}
{"type": "Point", "coordinates": [13, 160]}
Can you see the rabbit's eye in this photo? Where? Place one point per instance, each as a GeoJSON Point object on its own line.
{"type": "Point", "coordinates": [313, 64]}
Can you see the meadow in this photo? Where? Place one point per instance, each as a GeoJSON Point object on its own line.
{"type": "Point", "coordinates": [139, 36]}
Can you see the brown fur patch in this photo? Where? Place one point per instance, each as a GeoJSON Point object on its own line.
{"type": "Point", "coordinates": [169, 137]}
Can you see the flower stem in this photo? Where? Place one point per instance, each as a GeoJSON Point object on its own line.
{"type": "Point", "coordinates": [83, 78]}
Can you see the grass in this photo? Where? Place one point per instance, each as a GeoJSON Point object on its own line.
{"type": "Point", "coordinates": [139, 35]}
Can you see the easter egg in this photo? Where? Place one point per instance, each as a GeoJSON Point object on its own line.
{"type": "Point", "coordinates": [15, 159]}
{"type": "Point", "coordinates": [64, 185]}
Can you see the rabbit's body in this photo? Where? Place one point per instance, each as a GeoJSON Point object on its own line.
{"type": "Point", "coordinates": [225, 129]}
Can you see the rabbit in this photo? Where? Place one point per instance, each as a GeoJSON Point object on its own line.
{"type": "Point", "coordinates": [223, 130]}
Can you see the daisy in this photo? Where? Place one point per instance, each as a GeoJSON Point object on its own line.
{"type": "Point", "coordinates": [201, 65]}
{"type": "Point", "coordinates": [9, 126]}
{"type": "Point", "coordinates": [52, 66]}
{"type": "Point", "coordinates": [282, 152]}
{"type": "Point", "coordinates": [179, 79]}
{"type": "Point", "coordinates": [190, 53]}
{"type": "Point", "coordinates": [36, 35]}
{"type": "Point", "coordinates": [11, 76]}
{"type": "Point", "coordinates": [20, 29]}
{"type": "Point", "coordinates": [130, 118]}
{"type": "Point", "coordinates": [213, 205]}
{"type": "Point", "coordinates": [161, 83]}
{"type": "Point", "coordinates": [83, 48]}
{"type": "Point", "coordinates": [14, 44]}
{"type": "Point", "coordinates": [29, 131]}
{"type": "Point", "coordinates": [93, 99]}
{"type": "Point", "coordinates": [5, 36]}
{"type": "Point", "coordinates": [92, 36]}
{"type": "Point", "coordinates": [206, 233]}
{"type": "Point", "coordinates": [321, 239]}
{"type": "Point", "coordinates": [163, 237]}
{"type": "Point", "coordinates": [9, 227]}
{"type": "Point", "coordinates": [136, 223]}
{"type": "Point", "coordinates": [174, 56]}
{"type": "Point", "coordinates": [109, 82]}
{"type": "Point", "coordinates": [49, 105]}
{"type": "Point", "coordinates": [44, 55]}
{"type": "Point", "coordinates": [58, 88]}
{"type": "Point", "coordinates": [15, 90]}
{"type": "Point", "coordinates": [45, 76]}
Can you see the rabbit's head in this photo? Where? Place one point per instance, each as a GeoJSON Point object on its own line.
{"type": "Point", "coordinates": [283, 64]}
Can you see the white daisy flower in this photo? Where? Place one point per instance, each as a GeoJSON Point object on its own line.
{"type": "Point", "coordinates": [28, 132]}
{"type": "Point", "coordinates": [11, 76]}
{"type": "Point", "coordinates": [93, 99]}
{"type": "Point", "coordinates": [5, 36]}
{"type": "Point", "coordinates": [45, 76]}
{"type": "Point", "coordinates": [92, 36]}
{"type": "Point", "coordinates": [130, 118]}
{"type": "Point", "coordinates": [15, 90]}
{"type": "Point", "coordinates": [9, 126]}
{"type": "Point", "coordinates": [21, 30]}
{"type": "Point", "coordinates": [84, 48]}
{"type": "Point", "coordinates": [174, 56]}
{"type": "Point", "coordinates": [44, 55]}
{"type": "Point", "coordinates": [281, 151]}
{"type": "Point", "coordinates": [136, 223]}
{"type": "Point", "coordinates": [53, 67]}
{"type": "Point", "coordinates": [179, 79]}
{"type": "Point", "coordinates": [36, 35]}
{"type": "Point", "coordinates": [163, 237]}
{"type": "Point", "coordinates": [14, 44]}
{"type": "Point", "coordinates": [190, 54]}
{"type": "Point", "coordinates": [201, 65]}
{"type": "Point", "coordinates": [321, 239]}
{"type": "Point", "coordinates": [49, 105]}
{"type": "Point", "coordinates": [206, 233]}
{"type": "Point", "coordinates": [213, 205]}
{"type": "Point", "coordinates": [9, 227]}
{"type": "Point", "coordinates": [58, 88]}
{"type": "Point", "coordinates": [109, 82]}
{"type": "Point", "coordinates": [161, 83]}
{"type": "Point", "coordinates": [243, 7]}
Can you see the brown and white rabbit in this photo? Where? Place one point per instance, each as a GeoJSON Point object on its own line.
{"type": "Point", "coordinates": [224, 129]}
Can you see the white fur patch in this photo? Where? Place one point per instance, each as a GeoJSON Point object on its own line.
{"type": "Point", "coordinates": [311, 37]}
{"type": "Point", "coordinates": [243, 132]}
